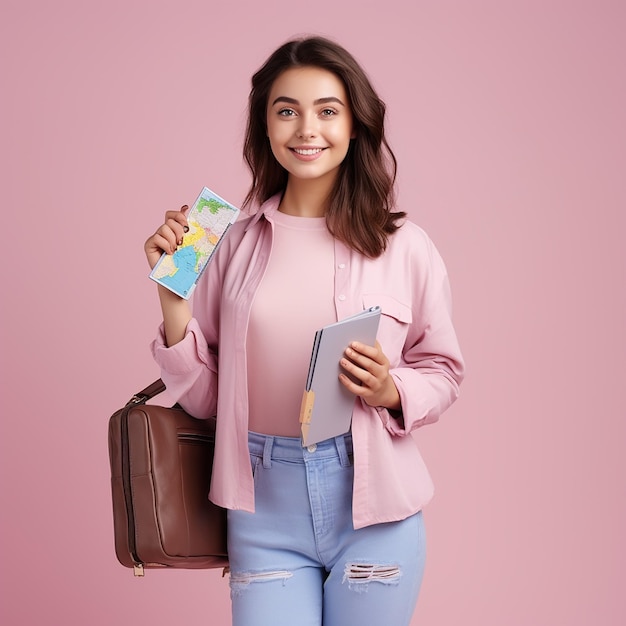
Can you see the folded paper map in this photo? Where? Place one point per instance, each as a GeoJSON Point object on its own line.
{"type": "Point", "coordinates": [209, 220]}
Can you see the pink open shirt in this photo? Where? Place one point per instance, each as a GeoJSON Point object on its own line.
{"type": "Point", "coordinates": [409, 282]}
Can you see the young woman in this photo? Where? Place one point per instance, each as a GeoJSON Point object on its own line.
{"type": "Point", "coordinates": [332, 533]}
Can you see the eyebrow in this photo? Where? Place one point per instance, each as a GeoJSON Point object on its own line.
{"type": "Point", "coordinates": [315, 102]}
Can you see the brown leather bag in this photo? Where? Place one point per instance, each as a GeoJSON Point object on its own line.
{"type": "Point", "coordinates": [161, 461]}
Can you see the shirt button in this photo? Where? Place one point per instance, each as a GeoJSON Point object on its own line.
{"type": "Point", "coordinates": [312, 448]}
{"type": "Point", "coordinates": [342, 297]}
{"type": "Point", "coordinates": [342, 266]}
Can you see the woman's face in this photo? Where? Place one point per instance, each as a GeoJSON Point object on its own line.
{"type": "Point", "coordinates": [309, 122]}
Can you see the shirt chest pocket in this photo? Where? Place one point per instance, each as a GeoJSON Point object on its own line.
{"type": "Point", "coordinates": [394, 323]}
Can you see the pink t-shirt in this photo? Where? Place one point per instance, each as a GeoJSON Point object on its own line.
{"type": "Point", "coordinates": [294, 299]}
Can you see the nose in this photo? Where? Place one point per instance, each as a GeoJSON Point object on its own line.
{"type": "Point", "coordinates": [306, 128]}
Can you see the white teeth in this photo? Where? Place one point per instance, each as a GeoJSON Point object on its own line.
{"type": "Point", "coordinates": [309, 152]}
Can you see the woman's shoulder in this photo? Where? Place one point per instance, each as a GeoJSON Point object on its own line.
{"type": "Point", "coordinates": [412, 237]}
{"type": "Point", "coordinates": [242, 223]}
{"type": "Point", "coordinates": [254, 215]}
{"type": "Point", "coordinates": [248, 225]}
{"type": "Point", "coordinates": [413, 245]}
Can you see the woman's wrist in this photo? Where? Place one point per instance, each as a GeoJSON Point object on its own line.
{"type": "Point", "coordinates": [176, 315]}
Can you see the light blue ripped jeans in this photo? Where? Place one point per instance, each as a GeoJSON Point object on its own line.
{"type": "Point", "coordinates": [298, 560]}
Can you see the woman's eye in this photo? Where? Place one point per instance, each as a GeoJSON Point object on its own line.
{"type": "Point", "coordinates": [328, 112]}
{"type": "Point", "coordinates": [286, 112]}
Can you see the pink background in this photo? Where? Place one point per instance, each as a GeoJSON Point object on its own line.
{"type": "Point", "coordinates": [507, 118]}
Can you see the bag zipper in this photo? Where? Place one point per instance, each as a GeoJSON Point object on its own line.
{"type": "Point", "coordinates": [130, 513]}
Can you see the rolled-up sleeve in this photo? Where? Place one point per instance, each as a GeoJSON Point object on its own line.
{"type": "Point", "coordinates": [431, 367]}
{"type": "Point", "coordinates": [189, 370]}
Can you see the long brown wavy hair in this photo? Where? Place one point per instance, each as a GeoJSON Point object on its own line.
{"type": "Point", "coordinates": [360, 207]}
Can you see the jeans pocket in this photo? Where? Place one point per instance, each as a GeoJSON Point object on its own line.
{"type": "Point", "coordinates": [255, 461]}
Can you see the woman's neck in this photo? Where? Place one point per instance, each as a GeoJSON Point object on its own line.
{"type": "Point", "coordinates": [305, 198]}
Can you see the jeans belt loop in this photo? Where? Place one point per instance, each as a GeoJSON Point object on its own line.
{"type": "Point", "coordinates": [340, 443]}
{"type": "Point", "coordinates": [267, 452]}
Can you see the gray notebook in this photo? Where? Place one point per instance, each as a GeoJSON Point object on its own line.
{"type": "Point", "coordinates": [327, 405]}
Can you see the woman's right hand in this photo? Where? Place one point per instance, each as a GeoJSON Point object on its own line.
{"type": "Point", "coordinates": [168, 236]}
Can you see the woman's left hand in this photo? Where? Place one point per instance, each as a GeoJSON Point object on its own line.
{"type": "Point", "coordinates": [370, 366]}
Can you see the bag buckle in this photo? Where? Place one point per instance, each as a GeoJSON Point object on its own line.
{"type": "Point", "coordinates": [139, 398]}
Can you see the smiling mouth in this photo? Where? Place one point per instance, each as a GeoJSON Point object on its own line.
{"type": "Point", "coordinates": [307, 151]}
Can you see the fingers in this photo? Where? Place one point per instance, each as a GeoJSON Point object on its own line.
{"type": "Point", "coordinates": [369, 366]}
{"type": "Point", "coordinates": [370, 358]}
{"type": "Point", "coordinates": [176, 222]}
{"type": "Point", "coordinates": [367, 378]}
{"type": "Point", "coordinates": [168, 236]}
{"type": "Point", "coordinates": [173, 230]}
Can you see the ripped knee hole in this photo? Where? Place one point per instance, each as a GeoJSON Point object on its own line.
{"type": "Point", "coordinates": [364, 572]}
